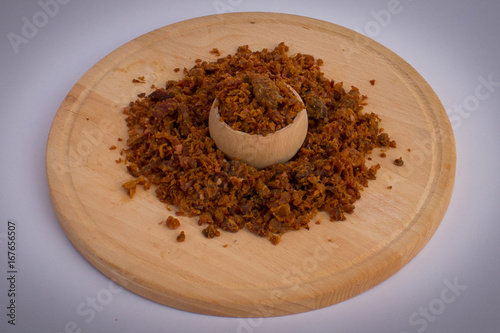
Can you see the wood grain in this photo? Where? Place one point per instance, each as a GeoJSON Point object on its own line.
{"type": "Point", "coordinates": [249, 277]}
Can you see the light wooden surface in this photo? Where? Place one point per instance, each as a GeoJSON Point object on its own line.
{"type": "Point", "coordinates": [249, 277]}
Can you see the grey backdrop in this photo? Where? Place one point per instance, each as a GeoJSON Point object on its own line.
{"type": "Point", "coordinates": [451, 286]}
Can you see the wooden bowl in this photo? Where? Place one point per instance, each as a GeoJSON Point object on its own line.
{"type": "Point", "coordinates": [255, 149]}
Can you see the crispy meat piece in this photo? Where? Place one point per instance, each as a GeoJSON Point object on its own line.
{"type": "Point", "coordinates": [172, 223]}
{"type": "Point", "coordinates": [399, 161]}
{"type": "Point", "coordinates": [265, 91]}
{"type": "Point", "coordinates": [316, 107]}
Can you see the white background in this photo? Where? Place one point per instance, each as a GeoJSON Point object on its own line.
{"type": "Point", "coordinates": [455, 45]}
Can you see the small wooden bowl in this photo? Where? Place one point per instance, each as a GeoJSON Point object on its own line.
{"type": "Point", "coordinates": [255, 149]}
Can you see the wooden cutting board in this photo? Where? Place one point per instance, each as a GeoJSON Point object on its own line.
{"type": "Point", "coordinates": [241, 274]}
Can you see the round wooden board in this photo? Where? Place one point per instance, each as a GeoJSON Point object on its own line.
{"type": "Point", "coordinates": [241, 274]}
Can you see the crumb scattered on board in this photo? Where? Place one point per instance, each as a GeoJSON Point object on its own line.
{"type": "Point", "coordinates": [181, 237]}
{"type": "Point", "coordinates": [139, 79]}
{"type": "Point", "coordinates": [399, 161]}
{"type": "Point", "coordinates": [172, 223]}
